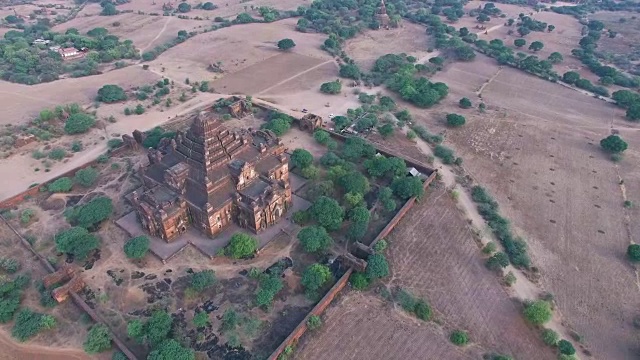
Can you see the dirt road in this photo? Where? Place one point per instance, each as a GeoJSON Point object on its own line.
{"type": "Point", "coordinates": [10, 350]}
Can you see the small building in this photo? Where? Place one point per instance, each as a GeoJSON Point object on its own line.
{"type": "Point", "coordinates": [40, 42]}
{"type": "Point", "coordinates": [209, 177]}
{"type": "Point", "coordinates": [69, 53]}
{"type": "Point", "coordinates": [382, 16]}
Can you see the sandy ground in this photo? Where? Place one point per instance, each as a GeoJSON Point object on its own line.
{"type": "Point", "coordinates": [10, 350]}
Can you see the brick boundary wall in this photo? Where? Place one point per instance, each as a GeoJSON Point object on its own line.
{"type": "Point", "coordinates": [32, 191]}
{"type": "Point", "coordinates": [76, 298]}
{"type": "Point", "coordinates": [317, 310]}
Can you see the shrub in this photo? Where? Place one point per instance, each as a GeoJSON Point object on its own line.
{"type": "Point", "coordinates": [489, 248]}
{"type": "Point", "coordinates": [78, 123]}
{"type": "Point", "coordinates": [447, 155]}
{"type": "Point", "coordinates": [137, 247]}
{"type": "Point", "coordinates": [538, 312]}
{"type": "Point", "coordinates": [29, 323]}
{"type": "Point", "coordinates": [111, 94]}
{"type": "Point", "coordinates": [455, 120]}
{"type": "Point", "coordinates": [331, 87]}
{"type": "Point", "coordinates": [26, 215]}
{"type": "Point", "coordinates": [566, 347]}
{"type": "Point", "coordinates": [171, 349]}
{"type": "Point", "coordinates": [98, 339]}
{"type": "Point", "coordinates": [498, 261]}
{"type": "Point", "coordinates": [201, 319]}
{"type": "Point", "coordinates": [229, 320]}
{"type": "Point", "coordinates": [380, 246]}
{"type": "Point", "coordinates": [510, 279]}
{"type": "Point", "coordinates": [314, 277]}
{"type": "Point", "coordinates": [465, 103]}
{"type": "Point", "coordinates": [301, 158]}
{"type": "Point", "coordinates": [241, 246]}
{"type": "Point", "coordinates": [86, 177]}
{"type": "Point", "coordinates": [57, 154]}
{"type": "Point", "coordinates": [9, 265]}
{"type": "Point", "coordinates": [321, 136]}
{"type": "Point", "coordinates": [76, 146]}
{"type": "Point", "coordinates": [76, 241]}
{"type": "Point", "coordinates": [91, 213]}
{"type": "Point", "coordinates": [269, 288]}
{"type": "Point", "coordinates": [114, 143]}
{"type": "Point", "coordinates": [633, 252]}
{"type": "Point", "coordinates": [550, 337]}
{"type": "Point", "coordinates": [314, 322]}
{"type": "Point", "coordinates": [459, 337]}
{"type": "Point", "coordinates": [202, 280]}
{"type": "Point", "coordinates": [613, 144]}
{"type": "Point", "coordinates": [422, 310]}
{"type": "Point", "coordinates": [407, 186]}
{"type": "Point", "coordinates": [359, 281]}
{"type": "Point", "coordinates": [286, 44]}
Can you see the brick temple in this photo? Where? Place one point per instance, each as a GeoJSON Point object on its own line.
{"type": "Point", "coordinates": [209, 177]}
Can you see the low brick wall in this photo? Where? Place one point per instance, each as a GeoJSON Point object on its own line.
{"type": "Point", "coordinates": [33, 191]}
{"type": "Point", "coordinates": [317, 310]}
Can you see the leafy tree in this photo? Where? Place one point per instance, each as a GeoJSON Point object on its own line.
{"type": "Point", "coordinates": [355, 148]}
{"type": "Point", "coordinates": [437, 60]}
{"type": "Point", "coordinates": [359, 217]}
{"type": "Point", "coordinates": [314, 322]}
{"type": "Point", "coordinates": [570, 77]}
{"type": "Point", "coordinates": [91, 213]}
{"type": "Point", "coordinates": [86, 177]}
{"type": "Point", "coordinates": [465, 53]}
{"type": "Point", "coordinates": [633, 112]}
{"type": "Point", "coordinates": [633, 252]}
{"type": "Point", "coordinates": [625, 98]}
{"type": "Point", "coordinates": [327, 212]}
{"type": "Point", "coordinates": [350, 71]}
{"type": "Point", "coordinates": [566, 347]}
{"type": "Point", "coordinates": [555, 58]}
{"type": "Point", "coordinates": [279, 126]}
{"type": "Point", "coordinates": [139, 110]}
{"type": "Point", "coordinates": [482, 18]}
{"type": "Point", "coordinates": [314, 277]}
{"type": "Point", "coordinates": [613, 144]}
{"type": "Point", "coordinates": [208, 6]}
{"type": "Point", "coordinates": [550, 337]}
{"type": "Point", "coordinates": [98, 339]}
{"type": "Point", "coordinates": [321, 136]}
{"type": "Point", "coordinates": [184, 7]}
{"type": "Point", "coordinates": [310, 172]}
{"type": "Point", "coordinates": [359, 281]}
{"type": "Point", "coordinates": [465, 103]}
{"type": "Point", "coordinates": [119, 355]}
{"type": "Point", "coordinates": [135, 330]}
{"type": "Point", "coordinates": [137, 247]}
{"type": "Point", "coordinates": [108, 9]}
{"type": "Point", "coordinates": [498, 261]}
{"type": "Point", "coordinates": [111, 93]}
{"type": "Point", "coordinates": [79, 123]}
{"type": "Point", "coordinates": [536, 46]}
{"type": "Point", "coordinates": [422, 310]}
{"type": "Point", "coordinates": [331, 87]}
{"type": "Point", "coordinates": [538, 312]}
{"type": "Point", "coordinates": [229, 320]}
{"type": "Point", "coordinates": [386, 130]}
{"type": "Point", "coordinates": [550, 28]}
{"type": "Point", "coordinates": [519, 42]}
{"type": "Point", "coordinates": [407, 187]}
{"type": "Point", "coordinates": [354, 182]}
{"type": "Point", "coordinates": [201, 319]}
{"type": "Point", "coordinates": [269, 288]}
{"type": "Point", "coordinates": [241, 246]}
{"type": "Point", "coordinates": [301, 158]}
{"type": "Point", "coordinates": [76, 241]}
{"type": "Point", "coordinates": [459, 337]}
{"type": "Point", "coordinates": [61, 185]}
{"type": "Point", "coordinates": [157, 328]}
{"type": "Point", "coordinates": [385, 195]}
{"type": "Point", "coordinates": [286, 44]}
{"type": "Point", "coordinates": [314, 239]}
{"type": "Point", "coordinates": [455, 120]}
{"type": "Point", "coordinates": [387, 103]}
{"type": "Point", "coordinates": [171, 350]}
{"type": "Point", "coordinates": [377, 267]}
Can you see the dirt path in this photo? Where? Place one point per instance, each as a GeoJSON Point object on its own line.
{"type": "Point", "coordinates": [10, 350]}
{"type": "Point", "coordinates": [295, 76]}
{"type": "Point", "coordinates": [157, 36]}
{"type": "Point", "coordinates": [523, 289]}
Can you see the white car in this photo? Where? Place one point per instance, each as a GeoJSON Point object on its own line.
{"type": "Point", "coordinates": [330, 116]}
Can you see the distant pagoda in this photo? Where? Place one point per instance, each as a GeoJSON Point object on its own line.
{"type": "Point", "coordinates": [382, 16]}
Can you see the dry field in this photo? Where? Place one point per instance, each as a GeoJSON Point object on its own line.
{"type": "Point", "coordinates": [536, 149]}
{"type": "Point", "coordinates": [368, 46]}
{"type": "Point", "coordinates": [145, 31]}
{"type": "Point", "coordinates": [236, 48]}
{"type": "Point", "coordinates": [361, 326]}
{"type": "Point", "coordinates": [627, 39]}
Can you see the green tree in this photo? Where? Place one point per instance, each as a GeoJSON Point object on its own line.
{"type": "Point", "coordinates": [538, 312]}
{"type": "Point", "coordinates": [633, 252]}
{"type": "Point", "coordinates": [327, 212]}
{"type": "Point", "coordinates": [314, 277]}
{"type": "Point", "coordinates": [350, 71]}
{"type": "Point", "coordinates": [436, 60]}
{"type": "Point", "coordinates": [86, 177]}
{"type": "Point", "coordinates": [201, 319]}
{"type": "Point", "coordinates": [76, 241]}
{"type": "Point", "coordinates": [407, 187]}
{"type": "Point", "coordinates": [108, 9]}
{"type": "Point", "coordinates": [229, 320]}
{"type": "Point", "coordinates": [550, 28]}
{"type": "Point", "coordinates": [385, 195]}
{"type": "Point", "coordinates": [321, 136]}
{"type": "Point", "coordinates": [613, 144]}
{"type": "Point", "coordinates": [359, 281]}
{"type": "Point", "coordinates": [422, 310]}
{"type": "Point", "coordinates": [286, 44]}
{"type": "Point", "coordinates": [137, 247]}
{"type": "Point", "coordinates": [61, 185]}
{"type": "Point", "coordinates": [550, 337]}
{"type": "Point", "coordinates": [111, 93]}
{"type": "Point", "coordinates": [555, 58]}
{"type": "Point", "coordinates": [331, 87]}
{"type": "Point", "coordinates": [79, 123]}
{"type": "Point", "coordinates": [633, 112]}
{"type": "Point", "coordinates": [139, 110]}
{"type": "Point", "coordinates": [354, 182]}
{"type": "Point", "coordinates": [184, 7]}
{"type": "Point", "coordinates": [208, 6]}
{"type": "Point", "coordinates": [498, 261]}
{"type": "Point", "coordinates": [482, 18]}
{"type": "Point", "coordinates": [566, 347]}
{"type": "Point", "coordinates": [202, 280]}
{"type": "Point", "coordinates": [171, 350]}
{"type": "Point", "coordinates": [314, 322]}
{"type": "Point", "coordinates": [269, 288]}
{"type": "Point", "coordinates": [536, 46]}
{"type": "Point", "coordinates": [570, 77]}
{"type": "Point", "coordinates": [519, 42]}
{"type": "Point", "coordinates": [301, 158]}
{"type": "Point", "coordinates": [204, 86]}
{"type": "Point", "coordinates": [359, 217]}
{"type": "Point", "coordinates": [455, 120]}
{"type": "Point", "coordinates": [157, 328]}
{"type": "Point", "coordinates": [241, 246]}
{"type": "Point", "coordinates": [314, 239]}
{"type": "Point", "coordinates": [91, 213]}
{"type": "Point", "coordinates": [465, 103]}
{"type": "Point", "coordinates": [279, 126]}
{"type": "Point", "coordinates": [29, 323]}
{"type": "Point", "coordinates": [459, 337]}
{"type": "Point", "coordinates": [625, 98]}
{"type": "Point", "coordinates": [135, 330]}
{"type": "Point", "coordinates": [377, 267]}
{"type": "Point", "coordinates": [98, 339]}
{"type": "Point", "coordinates": [386, 130]}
